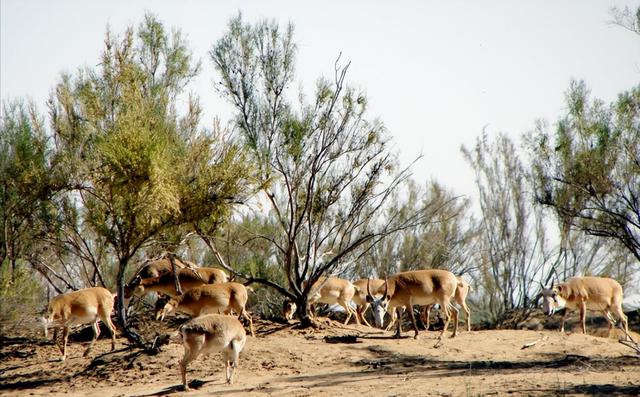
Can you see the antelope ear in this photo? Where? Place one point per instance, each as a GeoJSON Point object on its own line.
{"type": "Point", "coordinates": [369, 299]}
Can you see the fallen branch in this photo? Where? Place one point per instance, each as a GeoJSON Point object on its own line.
{"type": "Point", "coordinates": [629, 342]}
{"type": "Point", "coordinates": [528, 345]}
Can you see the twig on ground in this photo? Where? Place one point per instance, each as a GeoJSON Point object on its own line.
{"type": "Point", "coordinates": [630, 342]}
{"type": "Point", "coordinates": [528, 345]}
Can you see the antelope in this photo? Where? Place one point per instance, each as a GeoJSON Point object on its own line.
{"type": "Point", "coordinates": [222, 297]}
{"type": "Point", "coordinates": [288, 309]}
{"type": "Point", "coordinates": [333, 290]}
{"type": "Point", "coordinates": [157, 267]}
{"type": "Point", "coordinates": [586, 293]}
{"type": "Point", "coordinates": [89, 305]}
{"type": "Point", "coordinates": [460, 297]}
{"type": "Point", "coordinates": [419, 287]}
{"type": "Point", "coordinates": [165, 283]}
{"type": "Point", "coordinates": [360, 298]}
{"type": "Point", "coordinates": [208, 334]}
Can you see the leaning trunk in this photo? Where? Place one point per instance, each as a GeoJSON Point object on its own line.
{"type": "Point", "coordinates": [121, 310]}
{"type": "Point", "coordinates": [174, 269]}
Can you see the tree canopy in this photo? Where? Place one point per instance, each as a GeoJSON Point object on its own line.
{"type": "Point", "coordinates": [588, 169]}
{"type": "Point", "coordinates": [139, 165]}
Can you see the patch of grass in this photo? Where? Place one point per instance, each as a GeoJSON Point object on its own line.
{"type": "Point", "coordinates": [22, 297]}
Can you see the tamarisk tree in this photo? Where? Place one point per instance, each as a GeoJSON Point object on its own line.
{"type": "Point", "coordinates": [140, 167]}
{"type": "Point", "coordinates": [588, 169]}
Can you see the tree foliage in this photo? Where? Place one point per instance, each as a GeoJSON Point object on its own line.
{"type": "Point", "coordinates": [139, 166]}
{"type": "Point", "coordinates": [626, 18]}
{"type": "Point", "coordinates": [26, 178]}
{"type": "Point", "coordinates": [588, 169]}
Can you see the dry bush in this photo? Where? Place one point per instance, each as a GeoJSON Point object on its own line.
{"type": "Point", "coordinates": [23, 300]}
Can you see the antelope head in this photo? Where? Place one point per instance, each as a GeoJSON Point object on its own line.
{"type": "Point", "coordinates": [169, 307]}
{"type": "Point", "coordinates": [289, 309]}
{"type": "Point", "coordinates": [131, 289]}
{"type": "Point", "coordinates": [379, 305]}
{"type": "Point", "coordinates": [551, 299]}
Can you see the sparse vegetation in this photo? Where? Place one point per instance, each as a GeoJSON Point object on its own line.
{"type": "Point", "coordinates": [296, 189]}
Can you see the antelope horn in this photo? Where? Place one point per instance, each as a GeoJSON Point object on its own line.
{"type": "Point", "coordinates": [369, 288]}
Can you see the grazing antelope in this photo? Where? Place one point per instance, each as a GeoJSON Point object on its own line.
{"type": "Point", "coordinates": [210, 298]}
{"type": "Point", "coordinates": [208, 334]}
{"type": "Point", "coordinates": [85, 306]}
{"type": "Point", "coordinates": [419, 287]}
{"type": "Point", "coordinates": [165, 283]}
{"type": "Point", "coordinates": [360, 298]}
{"type": "Point", "coordinates": [212, 275]}
{"type": "Point", "coordinates": [333, 290]}
{"type": "Point", "coordinates": [289, 309]}
{"type": "Point", "coordinates": [157, 267]}
{"type": "Point", "coordinates": [586, 293]}
{"type": "Point", "coordinates": [460, 298]}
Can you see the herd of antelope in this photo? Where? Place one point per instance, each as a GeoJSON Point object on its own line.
{"type": "Point", "coordinates": [208, 296]}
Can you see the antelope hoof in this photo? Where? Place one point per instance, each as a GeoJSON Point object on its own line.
{"type": "Point", "coordinates": [186, 388]}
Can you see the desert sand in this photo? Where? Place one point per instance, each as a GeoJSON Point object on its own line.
{"type": "Point", "coordinates": [338, 360]}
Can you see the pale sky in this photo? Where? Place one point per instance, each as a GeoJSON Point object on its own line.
{"type": "Point", "coordinates": [436, 72]}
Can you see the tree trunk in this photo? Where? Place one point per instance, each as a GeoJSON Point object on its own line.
{"type": "Point", "coordinates": [121, 311]}
{"type": "Point", "coordinates": [175, 273]}
{"type": "Point", "coordinates": [13, 270]}
{"type": "Point", "coordinates": [302, 310]}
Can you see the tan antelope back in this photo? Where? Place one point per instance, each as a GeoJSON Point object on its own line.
{"type": "Point", "coordinates": [85, 306]}
{"type": "Point", "coordinates": [460, 297]}
{"type": "Point", "coordinates": [165, 283]}
{"type": "Point", "coordinates": [418, 287]}
{"type": "Point", "coordinates": [212, 275]}
{"type": "Point", "coordinates": [333, 290]}
{"type": "Point", "coordinates": [211, 298]}
{"type": "Point", "coordinates": [586, 293]}
{"type": "Point", "coordinates": [209, 334]}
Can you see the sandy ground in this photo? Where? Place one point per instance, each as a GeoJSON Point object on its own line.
{"type": "Point", "coordinates": [338, 361]}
